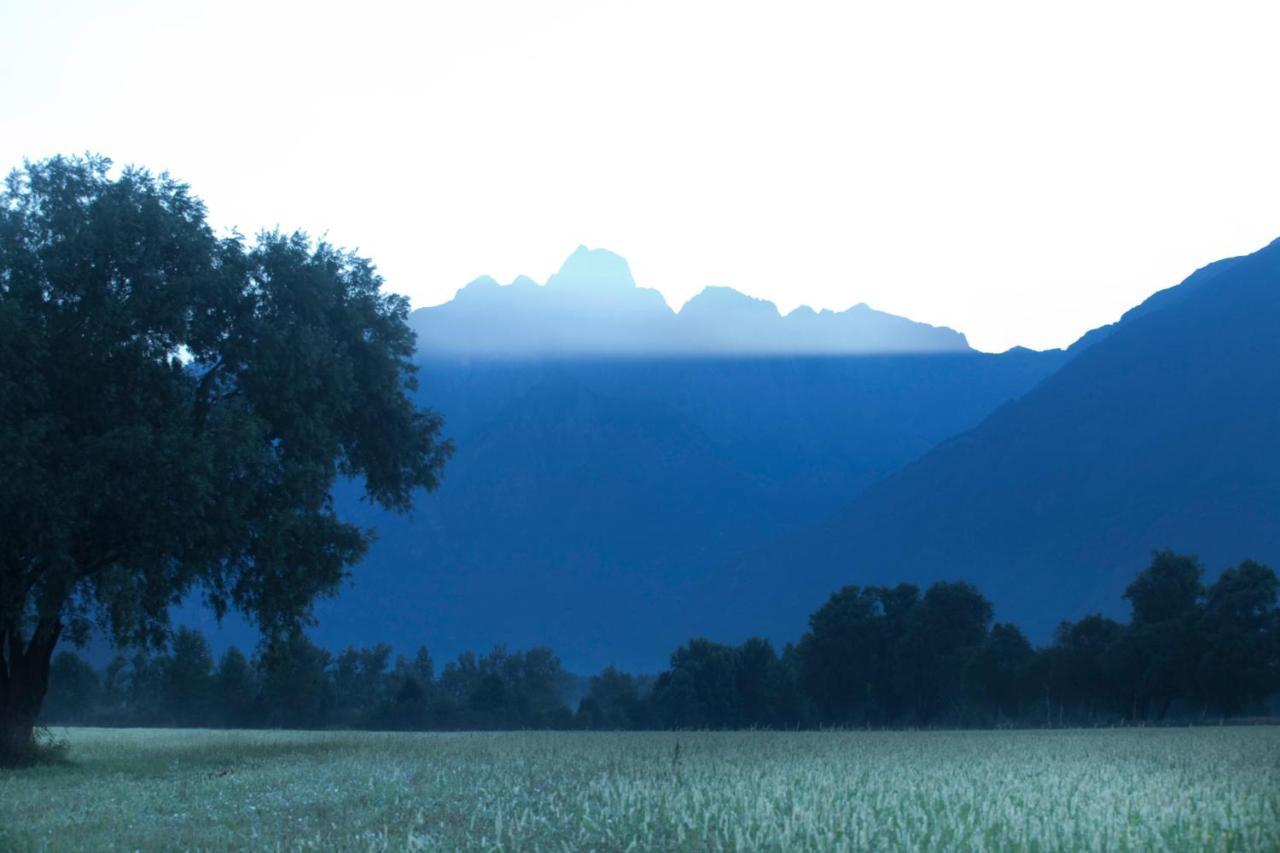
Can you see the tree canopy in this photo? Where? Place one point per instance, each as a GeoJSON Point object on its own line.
{"type": "Point", "coordinates": [175, 407]}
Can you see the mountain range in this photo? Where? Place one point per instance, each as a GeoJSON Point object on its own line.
{"type": "Point", "coordinates": [1159, 431]}
{"type": "Point", "coordinates": [593, 308]}
{"type": "Point", "coordinates": [628, 476]}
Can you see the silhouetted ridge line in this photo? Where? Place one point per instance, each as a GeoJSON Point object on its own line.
{"type": "Point", "coordinates": [1164, 427]}
{"type": "Point", "coordinates": [593, 307]}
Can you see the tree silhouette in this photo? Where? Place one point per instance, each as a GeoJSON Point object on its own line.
{"type": "Point", "coordinates": [1240, 639]}
{"type": "Point", "coordinates": [1159, 650]}
{"type": "Point", "coordinates": [842, 655]}
{"type": "Point", "coordinates": [187, 679]}
{"type": "Point", "coordinates": [174, 410]}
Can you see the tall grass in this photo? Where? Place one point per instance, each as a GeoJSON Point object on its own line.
{"type": "Point", "coordinates": [1154, 789]}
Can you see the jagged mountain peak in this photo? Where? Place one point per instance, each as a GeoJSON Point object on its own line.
{"type": "Point", "coordinates": [717, 299]}
{"type": "Point", "coordinates": [592, 306]}
{"type": "Point", "coordinates": [593, 268]}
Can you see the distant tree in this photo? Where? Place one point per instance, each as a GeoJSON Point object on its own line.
{"type": "Point", "coordinates": [361, 684]}
{"type": "Point", "coordinates": [490, 703]}
{"type": "Point", "coordinates": [612, 702]}
{"type": "Point", "coordinates": [504, 689]}
{"type": "Point", "coordinates": [1000, 672]}
{"type": "Point", "coordinates": [297, 690]}
{"type": "Point", "coordinates": [1159, 652]}
{"type": "Point", "coordinates": [675, 702]}
{"type": "Point", "coordinates": [1167, 590]}
{"type": "Point", "coordinates": [144, 685]}
{"type": "Point", "coordinates": [187, 679]}
{"type": "Point", "coordinates": [1239, 631]}
{"type": "Point", "coordinates": [174, 409]}
{"type": "Point", "coordinates": [763, 685]}
{"type": "Point", "coordinates": [700, 689]}
{"type": "Point", "coordinates": [898, 604]}
{"type": "Point", "coordinates": [1082, 670]}
{"type": "Point", "coordinates": [538, 681]}
{"type": "Point", "coordinates": [456, 684]}
{"type": "Point", "coordinates": [842, 656]}
{"type": "Point", "coordinates": [412, 704]}
{"type": "Point", "coordinates": [943, 634]}
{"type": "Point", "coordinates": [409, 707]}
{"type": "Point", "coordinates": [235, 689]}
{"type": "Point", "coordinates": [74, 690]}
{"type": "Point", "coordinates": [115, 689]}
{"type": "Point", "coordinates": [423, 667]}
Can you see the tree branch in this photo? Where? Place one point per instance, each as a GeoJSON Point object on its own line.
{"type": "Point", "coordinates": [92, 567]}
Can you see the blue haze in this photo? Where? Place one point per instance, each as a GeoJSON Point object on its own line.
{"type": "Point", "coordinates": [612, 504]}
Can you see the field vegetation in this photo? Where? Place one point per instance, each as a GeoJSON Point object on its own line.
{"type": "Point", "coordinates": [1106, 789]}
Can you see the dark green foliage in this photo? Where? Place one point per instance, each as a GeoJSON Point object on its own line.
{"type": "Point", "coordinates": [1158, 653]}
{"type": "Point", "coordinates": [235, 689]}
{"type": "Point", "coordinates": [1239, 631]}
{"type": "Point", "coordinates": [1166, 591]}
{"type": "Point", "coordinates": [844, 662]}
{"type": "Point", "coordinates": [613, 701]}
{"type": "Point", "coordinates": [143, 684]}
{"type": "Point", "coordinates": [187, 680]}
{"type": "Point", "coordinates": [715, 686]}
{"type": "Point", "coordinates": [297, 687]}
{"type": "Point", "coordinates": [1000, 676]}
{"type": "Point", "coordinates": [700, 689]}
{"type": "Point", "coordinates": [413, 701]}
{"type": "Point", "coordinates": [765, 685]}
{"type": "Point", "coordinates": [360, 682]}
{"type": "Point", "coordinates": [874, 655]}
{"type": "Point", "coordinates": [1082, 670]}
{"type": "Point", "coordinates": [174, 410]}
{"type": "Point", "coordinates": [505, 690]}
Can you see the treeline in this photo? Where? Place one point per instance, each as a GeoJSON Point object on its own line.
{"type": "Point", "coordinates": [294, 683]}
{"type": "Point", "coordinates": [873, 656]}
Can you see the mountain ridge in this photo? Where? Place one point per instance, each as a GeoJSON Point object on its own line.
{"type": "Point", "coordinates": [613, 507]}
{"type": "Point", "coordinates": [593, 307]}
{"type": "Point", "coordinates": [1161, 430]}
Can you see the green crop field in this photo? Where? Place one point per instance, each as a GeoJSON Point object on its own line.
{"type": "Point", "coordinates": [1152, 789]}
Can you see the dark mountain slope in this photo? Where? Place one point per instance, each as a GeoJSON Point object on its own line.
{"type": "Point", "coordinates": [1162, 431]}
{"type": "Point", "coordinates": [588, 499]}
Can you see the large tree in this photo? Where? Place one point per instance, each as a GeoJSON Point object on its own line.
{"type": "Point", "coordinates": [1239, 628]}
{"type": "Point", "coordinates": [1158, 657]}
{"type": "Point", "coordinates": [842, 655]}
{"type": "Point", "coordinates": [174, 409]}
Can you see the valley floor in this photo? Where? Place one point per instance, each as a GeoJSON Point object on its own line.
{"type": "Point", "coordinates": [1152, 789]}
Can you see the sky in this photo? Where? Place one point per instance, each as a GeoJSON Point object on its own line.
{"type": "Point", "coordinates": [1019, 171]}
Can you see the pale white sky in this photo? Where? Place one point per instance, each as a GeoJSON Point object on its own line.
{"type": "Point", "coordinates": [1020, 171]}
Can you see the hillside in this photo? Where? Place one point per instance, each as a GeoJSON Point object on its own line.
{"type": "Point", "coordinates": [589, 498]}
{"type": "Point", "coordinates": [1162, 430]}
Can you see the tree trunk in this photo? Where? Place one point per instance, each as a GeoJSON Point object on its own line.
{"type": "Point", "coordinates": [24, 680]}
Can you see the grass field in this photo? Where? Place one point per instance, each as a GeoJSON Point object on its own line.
{"type": "Point", "coordinates": [1153, 789]}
